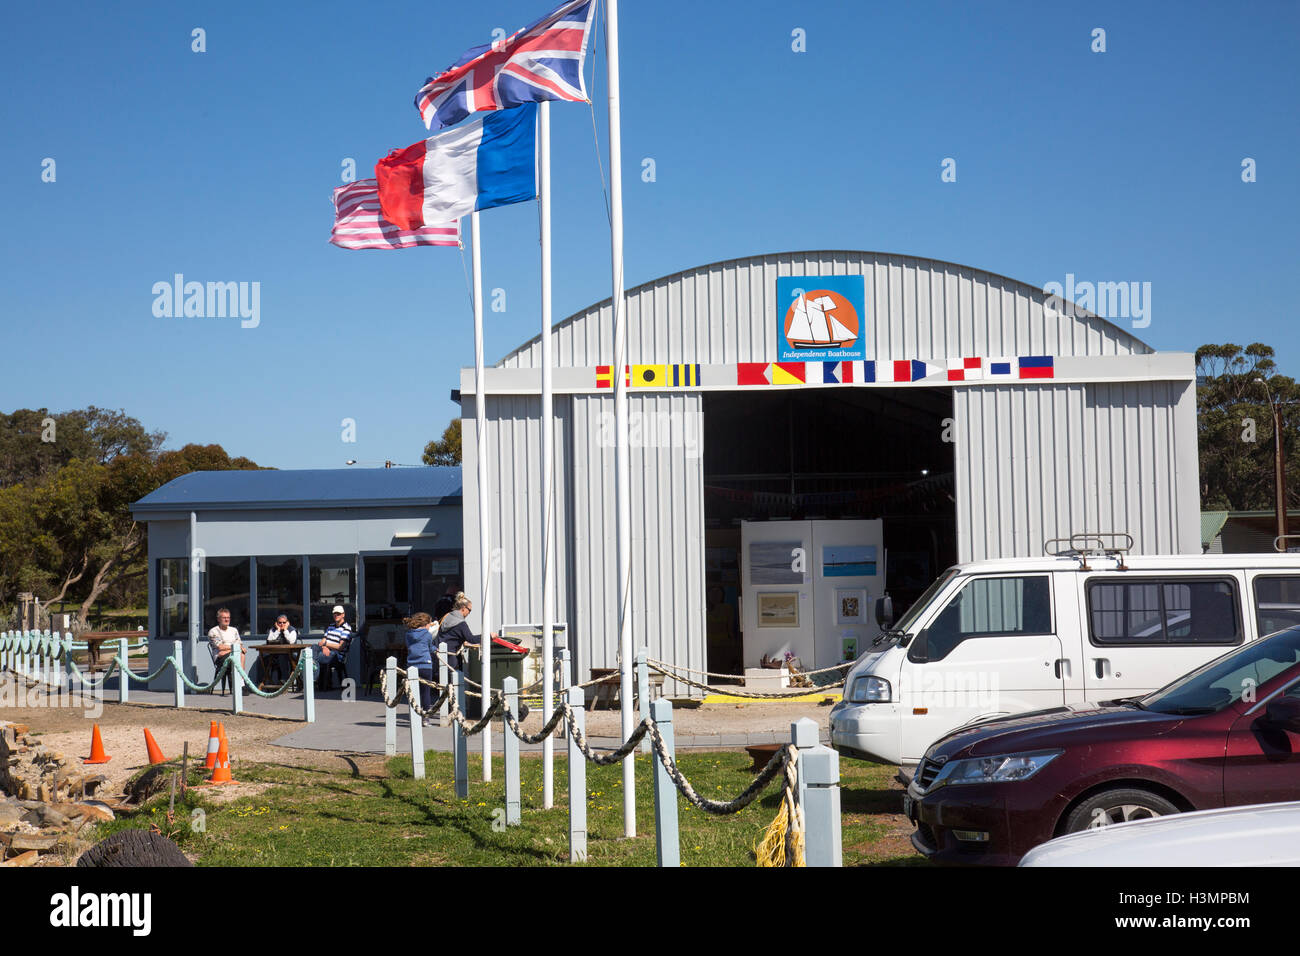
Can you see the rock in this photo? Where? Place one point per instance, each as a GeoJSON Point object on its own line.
{"type": "Point", "coordinates": [134, 848]}
{"type": "Point", "coordinates": [43, 793]}
{"type": "Point", "coordinates": [97, 810]}
{"type": "Point", "coordinates": [19, 729]}
{"type": "Point", "coordinates": [22, 859]}
{"type": "Point", "coordinates": [51, 817]}
{"type": "Point", "coordinates": [33, 841]}
{"type": "Point", "coordinates": [91, 809]}
{"type": "Point", "coordinates": [10, 813]}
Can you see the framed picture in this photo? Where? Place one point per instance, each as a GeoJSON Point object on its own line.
{"type": "Point", "coordinates": [778, 609]}
{"type": "Point", "coordinates": [848, 560]}
{"type": "Point", "coordinates": [850, 606]}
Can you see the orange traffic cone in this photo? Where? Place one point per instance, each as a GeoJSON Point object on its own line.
{"type": "Point", "coordinates": [221, 772]}
{"type": "Point", "coordinates": [97, 754]}
{"type": "Point", "coordinates": [214, 741]}
{"type": "Point", "coordinates": [151, 745]}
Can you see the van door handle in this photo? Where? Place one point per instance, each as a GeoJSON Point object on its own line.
{"type": "Point", "coordinates": [1102, 665]}
{"type": "Point", "coordinates": [1062, 667]}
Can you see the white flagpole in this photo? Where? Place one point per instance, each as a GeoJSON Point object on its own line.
{"type": "Point", "coordinates": [622, 464]}
{"type": "Point", "coordinates": [548, 451]}
{"type": "Point", "coordinates": [480, 432]}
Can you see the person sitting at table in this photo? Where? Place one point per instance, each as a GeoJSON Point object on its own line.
{"type": "Point", "coordinates": [281, 633]}
{"type": "Point", "coordinates": [333, 646]}
{"type": "Point", "coordinates": [420, 642]}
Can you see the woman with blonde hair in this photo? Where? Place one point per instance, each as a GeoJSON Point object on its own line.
{"type": "Point", "coordinates": [420, 631]}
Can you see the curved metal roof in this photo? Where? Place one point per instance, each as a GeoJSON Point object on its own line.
{"type": "Point", "coordinates": [1090, 326]}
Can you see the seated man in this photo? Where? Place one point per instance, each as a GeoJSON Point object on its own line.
{"type": "Point", "coordinates": [281, 633]}
{"type": "Point", "coordinates": [333, 646]}
{"type": "Point", "coordinates": [223, 638]}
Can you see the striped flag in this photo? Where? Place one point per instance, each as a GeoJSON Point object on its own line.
{"type": "Point", "coordinates": [359, 225]}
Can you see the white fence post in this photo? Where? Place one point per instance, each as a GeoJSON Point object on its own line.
{"type": "Point", "coordinates": [577, 781]}
{"type": "Point", "coordinates": [235, 682]}
{"type": "Point", "coordinates": [819, 795]}
{"type": "Point", "coordinates": [444, 709]}
{"type": "Point", "coordinates": [390, 713]}
{"type": "Point", "coordinates": [511, 744]}
{"type": "Point", "coordinates": [643, 691]}
{"type": "Point", "coordinates": [123, 683]}
{"type": "Point", "coordinates": [308, 664]}
{"type": "Point", "coordinates": [667, 841]}
{"type": "Point", "coordinates": [417, 723]}
{"type": "Point", "coordinates": [566, 671]}
{"type": "Point", "coordinates": [178, 655]}
{"type": "Point", "coordinates": [460, 758]}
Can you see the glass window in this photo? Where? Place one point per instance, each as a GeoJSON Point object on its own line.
{"type": "Point", "coordinates": [1227, 679]}
{"type": "Point", "coordinates": [227, 583]}
{"type": "Point", "coordinates": [333, 581]}
{"type": "Point", "coordinates": [436, 576]}
{"type": "Point", "coordinates": [279, 591]}
{"type": "Point", "coordinates": [991, 607]}
{"type": "Point", "coordinates": [173, 598]}
{"type": "Point", "coordinates": [1277, 603]}
{"type": "Point", "coordinates": [1172, 611]}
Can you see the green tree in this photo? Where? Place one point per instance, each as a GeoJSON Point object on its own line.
{"type": "Point", "coordinates": [445, 450]}
{"type": "Point", "coordinates": [34, 443]}
{"type": "Point", "coordinates": [1235, 427]}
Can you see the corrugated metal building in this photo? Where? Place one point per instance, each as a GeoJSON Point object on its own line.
{"type": "Point", "coordinates": [983, 418]}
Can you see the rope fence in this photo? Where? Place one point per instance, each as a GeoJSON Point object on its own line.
{"type": "Point", "coordinates": [785, 839]}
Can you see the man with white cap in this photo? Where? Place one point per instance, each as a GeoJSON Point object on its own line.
{"type": "Point", "coordinates": [333, 646]}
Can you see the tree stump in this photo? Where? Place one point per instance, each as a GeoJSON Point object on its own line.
{"type": "Point", "coordinates": [134, 848]}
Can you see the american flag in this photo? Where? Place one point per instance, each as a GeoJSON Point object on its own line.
{"type": "Point", "coordinates": [543, 61]}
{"type": "Point", "coordinates": [359, 225]}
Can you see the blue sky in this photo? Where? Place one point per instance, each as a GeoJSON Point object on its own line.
{"type": "Point", "coordinates": [1123, 165]}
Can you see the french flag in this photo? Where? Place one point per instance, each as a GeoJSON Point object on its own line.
{"type": "Point", "coordinates": [478, 165]}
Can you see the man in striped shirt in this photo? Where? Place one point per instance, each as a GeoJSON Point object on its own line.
{"type": "Point", "coordinates": [333, 646]}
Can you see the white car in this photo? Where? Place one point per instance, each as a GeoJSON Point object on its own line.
{"type": "Point", "coordinates": [1265, 834]}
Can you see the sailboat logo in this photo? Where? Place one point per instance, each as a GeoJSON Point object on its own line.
{"type": "Point", "coordinates": [821, 319]}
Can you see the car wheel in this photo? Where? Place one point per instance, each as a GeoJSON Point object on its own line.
{"type": "Point", "coordinates": [1117, 806]}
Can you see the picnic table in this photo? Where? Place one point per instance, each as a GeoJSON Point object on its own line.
{"type": "Point", "coordinates": [268, 654]}
{"type": "Point", "coordinates": [94, 639]}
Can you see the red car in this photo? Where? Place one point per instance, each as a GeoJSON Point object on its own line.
{"type": "Point", "coordinates": [1226, 734]}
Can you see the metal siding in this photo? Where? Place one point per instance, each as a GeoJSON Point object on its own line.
{"type": "Point", "coordinates": [1036, 462]}
{"type": "Point", "coordinates": [724, 312]}
{"type": "Point", "coordinates": [667, 533]}
{"type": "Point", "coordinates": [515, 489]}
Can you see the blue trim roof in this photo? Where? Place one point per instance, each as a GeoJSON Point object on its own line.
{"type": "Point", "coordinates": [309, 488]}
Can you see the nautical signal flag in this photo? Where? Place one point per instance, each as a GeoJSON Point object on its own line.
{"type": "Point", "coordinates": [965, 370]}
{"type": "Point", "coordinates": [1025, 366]}
{"type": "Point", "coordinates": [909, 370]}
{"type": "Point", "coordinates": [484, 163]}
{"type": "Point", "coordinates": [605, 376]}
{"type": "Point", "coordinates": [847, 373]}
{"type": "Point", "coordinates": [651, 376]}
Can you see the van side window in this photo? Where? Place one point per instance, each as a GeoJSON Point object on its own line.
{"type": "Point", "coordinates": [1168, 611]}
{"type": "Point", "coordinates": [991, 607]}
{"type": "Point", "coordinates": [1277, 603]}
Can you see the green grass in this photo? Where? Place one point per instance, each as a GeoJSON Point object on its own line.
{"type": "Point", "coordinates": [312, 817]}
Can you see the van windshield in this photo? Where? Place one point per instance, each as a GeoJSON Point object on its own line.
{"type": "Point", "coordinates": [1223, 682]}
{"type": "Point", "coordinates": [920, 604]}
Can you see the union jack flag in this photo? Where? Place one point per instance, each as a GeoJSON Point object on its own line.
{"type": "Point", "coordinates": [543, 61]}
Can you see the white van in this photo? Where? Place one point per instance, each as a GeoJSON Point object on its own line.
{"type": "Point", "coordinates": [992, 638]}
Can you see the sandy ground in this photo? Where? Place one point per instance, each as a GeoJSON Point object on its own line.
{"type": "Point", "coordinates": [68, 730]}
